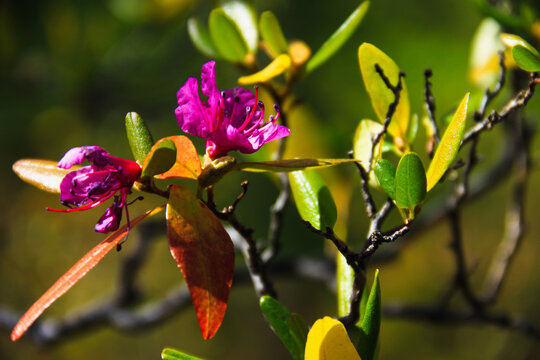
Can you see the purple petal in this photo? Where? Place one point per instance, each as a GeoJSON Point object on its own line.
{"type": "Point", "coordinates": [87, 184]}
{"type": "Point", "coordinates": [110, 220]}
{"type": "Point", "coordinates": [79, 154]}
{"type": "Point", "coordinates": [191, 113]}
{"type": "Point", "coordinates": [235, 102]}
{"type": "Point", "coordinates": [224, 140]}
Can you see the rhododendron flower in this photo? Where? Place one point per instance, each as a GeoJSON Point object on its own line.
{"type": "Point", "coordinates": [232, 119]}
{"type": "Point", "coordinates": [91, 185]}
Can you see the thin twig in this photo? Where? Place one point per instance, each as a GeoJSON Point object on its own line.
{"type": "Point", "coordinates": [429, 101]}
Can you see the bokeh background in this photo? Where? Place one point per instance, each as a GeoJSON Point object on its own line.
{"type": "Point", "coordinates": [71, 70]}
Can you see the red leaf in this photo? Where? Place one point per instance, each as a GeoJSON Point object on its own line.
{"type": "Point", "coordinates": [77, 271]}
{"type": "Point", "coordinates": [204, 252]}
{"type": "Point", "coordinates": [187, 165]}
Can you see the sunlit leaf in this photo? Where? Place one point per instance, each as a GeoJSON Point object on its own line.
{"type": "Point", "coordinates": [277, 67]}
{"type": "Point", "coordinates": [201, 38]}
{"type": "Point", "coordinates": [512, 40]}
{"type": "Point", "coordinates": [226, 36]}
{"type": "Point", "coordinates": [313, 199]}
{"type": "Point", "coordinates": [371, 322]}
{"type": "Point", "coordinates": [70, 278]}
{"type": "Point", "coordinates": [290, 165]}
{"type": "Point", "coordinates": [43, 174]}
{"type": "Point", "coordinates": [173, 354]}
{"type": "Point", "coordinates": [338, 38]}
{"type": "Point", "coordinates": [363, 141]}
{"type": "Point", "coordinates": [386, 175]}
{"type": "Point", "coordinates": [449, 146]}
{"type": "Point", "coordinates": [161, 158]}
{"type": "Point", "coordinates": [187, 164]}
{"type": "Point", "coordinates": [525, 59]}
{"type": "Point", "coordinates": [204, 252]}
{"type": "Point", "coordinates": [139, 137]}
{"type": "Point", "coordinates": [216, 170]}
{"type": "Point", "coordinates": [246, 20]}
{"type": "Point", "coordinates": [381, 97]}
{"type": "Point", "coordinates": [484, 56]}
{"type": "Point", "coordinates": [272, 34]}
{"type": "Point", "coordinates": [412, 129]}
{"type": "Point", "coordinates": [279, 318]}
{"type": "Point", "coordinates": [328, 340]}
{"type": "Point", "coordinates": [410, 183]}
{"type": "Point", "coordinates": [344, 276]}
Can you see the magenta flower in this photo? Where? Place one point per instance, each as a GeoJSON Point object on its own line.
{"type": "Point", "coordinates": [229, 120]}
{"type": "Point", "coordinates": [91, 185]}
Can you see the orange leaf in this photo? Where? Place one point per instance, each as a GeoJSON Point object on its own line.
{"type": "Point", "coordinates": [204, 252]}
{"type": "Point", "coordinates": [77, 271]}
{"type": "Point", "coordinates": [187, 165]}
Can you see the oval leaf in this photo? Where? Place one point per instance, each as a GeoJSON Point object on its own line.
{"type": "Point", "coordinates": [313, 199]}
{"type": "Point", "coordinates": [525, 59]}
{"type": "Point", "coordinates": [172, 354]}
{"type": "Point", "coordinates": [410, 183]}
{"type": "Point", "coordinates": [43, 174]}
{"type": "Point", "coordinates": [449, 146]}
{"type": "Point", "coordinates": [290, 165]}
{"type": "Point", "coordinates": [512, 40]}
{"type": "Point", "coordinates": [246, 21]}
{"type": "Point", "coordinates": [204, 252]}
{"type": "Point", "coordinates": [277, 67]}
{"type": "Point", "coordinates": [381, 97]}
{"type": "Point", "coordinates": [279, 318]}
{"type": "Point", "coordinates": [338, 38]}
{"type": "Point", "coordinates": [386, 175]}
{"type": "Point", "coordinates": [188, 163]}
{"type": "Point", "coordinates": [226, 36]}
{"type": "Point", "coordinates": [139, 137]}
{"type": "Point", "coordinates": [161, 158]}
{"type": "Point", "coordinates": [328, 340]}
{"type": "Point", "coordinates": [371, 322]}
{"type": "Point", "coordinates": [201, 38]}
{"type": "Point", "coordinates": [70, 278]}
{"type": "Point", "coordinates": [272, 34]}
{"type": "Point", "coordinates": [363, 140]}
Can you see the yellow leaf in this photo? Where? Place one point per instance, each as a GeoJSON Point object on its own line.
{"type": "Point", "coordinates": [449, 146]}
{"type": "Point", "coordinates": [43, 174]}
{"type": "Point", "coordinates": [328, 340]}
{"type": "Point", "coordinates": [277, 67]}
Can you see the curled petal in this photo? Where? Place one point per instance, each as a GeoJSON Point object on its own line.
{"type": "Point", "coordinates": [191, 113]}
{"type": "Point", "coordinates": [79, 154]}
{"type": "Point", "coordinates": [110, 220]}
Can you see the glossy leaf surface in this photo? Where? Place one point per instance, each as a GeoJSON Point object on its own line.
{"type": "Point", "coordinates": [277, 67]}
{"type": "Point", "coordinates": [201, 37]}
{"type": "Point", "coordinates": [371, 322]}
{"type": "Point", "coordinates": [187, 164]}
{"type": "Point", "coordinates": [139, 137]}
{"type": "Point", "coordinates": [279, 318]}
{"type": "Point", "coordinates": [381, 97]}
{"type": "Point", "coordinates": [512, 40]}
{"type": "Point", "coordinates": [525, 59]}
{"type": "Point", "coordinates": [43, 174]}
{"type": "Point", "coordinates": [386, 175]}
{"type": "Point", "coordinates": [70, 278]}
{"type": "Point", "coordinates": [204, 253]}
{"type": "Point", "coordinates": [173, 354]}
{"type": "Point", "coordinates": [226, 36]}
{"type": "Point", "coordinates": [449, 146]}
{"type": "Point", "coordinates": [313, 199]}
{"type": "Point", "coordinates": [244, 16]}
{"type": "Point", "coordinates": [328, 340]}
{"type": "Point", "coordinates": [161, 158]}
{"type": "Point", "coordinates": [338, 38]}
{"type": "Point", "coordinates": [290, 165]}
{"type": "Point", "coordinates": [272, 34]}
{"type": "Point", "coordinates": [410, 183]}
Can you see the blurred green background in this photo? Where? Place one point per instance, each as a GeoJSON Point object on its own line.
{"type": "Point", "coordinates": [71, 70]}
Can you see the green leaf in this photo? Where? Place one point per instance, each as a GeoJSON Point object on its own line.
{"type": "Point", "coordinates": [160, 159]}
{"type": "Point", "coordinates": [139, 137]}
{"type": "Point", "coordinates": [449, 146]}
{"type": "Point", "coordinates": [381, 97]}
{"type": "Point", "coordinates": [412, 129]}
{"type": "Point", "coordinates": [173, 354]}
{"type": "Point", "coordinates": [410, 183]}
{"type": "Point", "coordinates": [525, 59]}
{"type": "Point", "coordinates": [272, 34]}
{"type": "Point", "coordinates": [279, 318]}
{"type": "Point", "coordinates": [371, 323]}
{"type": "Point", "coordinates": [386, 175]}
{"type": "Point", "coordinates": [201, 38]}
{"type": "Point", "coordinates": [313, 199]}
{"type": "Point", "coordinates": [338, 38]}
{"type": "Point", "coordinates": [289, 165]}
{"type": "Point", "coordinates": [43, 174]}
{"type": "Point", "coordinates": [512, 40]}
{"type": "Point", "coordinates": [299, 331]}
{"type": "Point", "coordinates": [246, 21]}
{"type": "Point", "coordinates": [227, 37]}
